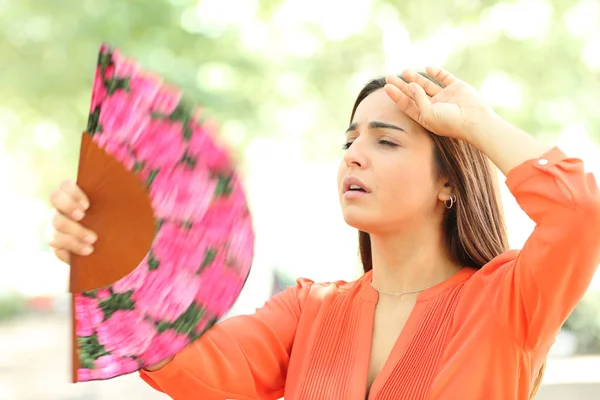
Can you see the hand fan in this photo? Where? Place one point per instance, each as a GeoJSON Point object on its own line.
{"type": "Point", "coordinates": [175, 237]}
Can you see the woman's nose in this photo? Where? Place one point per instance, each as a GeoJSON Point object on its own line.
{"type": "Point", "coordinates": [355, 155]}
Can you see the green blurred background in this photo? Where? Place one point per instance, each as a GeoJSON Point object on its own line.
{"type": "Point", "coordinates": [280, 77]}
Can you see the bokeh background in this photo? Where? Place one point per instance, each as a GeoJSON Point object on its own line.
{"type": "Point", "coordinates": [280, 77]}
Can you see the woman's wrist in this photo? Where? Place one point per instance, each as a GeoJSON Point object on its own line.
{"type": "Point", "coordinates": [504, 143]}
{"type": "Point", "coordinates": [481, 126]}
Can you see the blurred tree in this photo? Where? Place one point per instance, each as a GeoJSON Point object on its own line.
{"type": "Point", "coordinates": [265, 68]}
{"type": "Point", "coordinates": [585, 324]}
{"type": "Point", "coordinates": [287, 68]}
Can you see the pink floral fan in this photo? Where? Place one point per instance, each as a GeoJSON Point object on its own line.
{"type": "Point", "coordinates": [175, 235]}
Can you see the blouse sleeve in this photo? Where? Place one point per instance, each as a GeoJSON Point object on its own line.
{"type": "Point", "coordinates": [534, 293]}
{"type": "Point", "coordinates": [243, 357]}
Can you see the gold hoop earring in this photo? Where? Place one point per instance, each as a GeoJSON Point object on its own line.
{"type": "Point", "coordinates": [452, 200]}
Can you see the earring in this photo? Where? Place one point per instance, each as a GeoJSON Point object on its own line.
{"type": "Point", "coordinates": [452, 200]}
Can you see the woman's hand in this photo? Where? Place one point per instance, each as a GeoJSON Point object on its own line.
{"type": "Point", "coordinates": [457, 110]}
{"type": "Point", "coordinates": [69, 236]}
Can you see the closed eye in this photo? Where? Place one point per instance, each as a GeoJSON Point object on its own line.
{"type": "Point", "coordinates": [382, 142]}
{"type": "Point", "coordinates": [387, 143]}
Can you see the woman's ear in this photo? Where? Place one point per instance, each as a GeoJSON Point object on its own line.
{"type": "Point", "coordinates": [446, 191]}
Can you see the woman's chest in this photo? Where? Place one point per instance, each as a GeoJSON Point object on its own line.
{"type": "Point", "coordinates": [335, 355]}
{"type": "Point", "coordinates": [388, 325]}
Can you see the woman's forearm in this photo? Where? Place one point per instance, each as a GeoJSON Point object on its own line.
{"type": "Point", "coordinates": [503, 143]}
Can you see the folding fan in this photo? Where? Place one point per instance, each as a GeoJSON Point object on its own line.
{"type": "Point", "coordinates": [175, 238]}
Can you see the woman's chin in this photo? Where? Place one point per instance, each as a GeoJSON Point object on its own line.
{"type": "Point", "coordinates": [358, 220]}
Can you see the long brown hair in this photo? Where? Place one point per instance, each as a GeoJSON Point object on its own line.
{"type": "Point", "coordinates": [474, 229]}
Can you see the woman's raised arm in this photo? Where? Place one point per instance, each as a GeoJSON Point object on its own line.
{"type": "Point", "coordinates": [534, 293]}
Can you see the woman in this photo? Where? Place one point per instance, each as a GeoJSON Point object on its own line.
{"type": "Point", "coordinates": [443, 310]}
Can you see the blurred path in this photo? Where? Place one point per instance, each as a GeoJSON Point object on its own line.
{"type": "Point", "coordinates": [34, 365]}
{"type": "Point", "coordinates": [581, 391]}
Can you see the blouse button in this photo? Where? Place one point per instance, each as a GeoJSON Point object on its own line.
{"type": "Point", "coordinates": [542, 161]}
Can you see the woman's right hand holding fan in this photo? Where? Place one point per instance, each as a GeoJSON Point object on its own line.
{"type": "Point", "coordinates": [69, 236]}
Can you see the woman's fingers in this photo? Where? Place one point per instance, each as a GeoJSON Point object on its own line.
{"type": "Point", "coordinates": [71, 188]}
{"type": "Point", "coordinates": [62, 242]}
{"type": "Point", "coordinates": [400, 84]}
{"type": "Point", "coordinates": [445, 77]}
{"type": "Point", "coordinates": [63, 255]}
{"type": "Point", "coordinates": [430, 88]}
{"type": "Point", "coordinates": [63, 224]}
{"type": "Point", "coordinates": [404, 103]}
{"type": "Point", "coordinates": [400, 94]}
{"type": "Point", "coordinates": [70, 200]}
{"type": "Point", "coordinates": [421, 99]}
{"type": "Point", "coordinates": [411, 98]}
{"type": "Point", "coordinates": [65, 204]}
{"type": "Point", "coordinates": [69, 236]}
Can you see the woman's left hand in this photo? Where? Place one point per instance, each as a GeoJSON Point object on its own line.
{"type": "Point", "coordinates": [457, 110]}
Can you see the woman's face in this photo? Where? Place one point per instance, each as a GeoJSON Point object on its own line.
{"type": "Point", "coordinates": [389, 158]}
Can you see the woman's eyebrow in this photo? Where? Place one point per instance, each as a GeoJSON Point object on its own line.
{"type": "Point", "coordinates": [376, 125]}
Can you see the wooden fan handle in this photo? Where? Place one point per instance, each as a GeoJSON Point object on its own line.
{"type": "Point", "coordinates": [120, 214]}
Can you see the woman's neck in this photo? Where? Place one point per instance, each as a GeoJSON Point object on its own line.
{"type": "Point", "coordinates": [408, 261]}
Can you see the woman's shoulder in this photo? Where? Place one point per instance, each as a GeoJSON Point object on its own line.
{"type": "Point", "coordinates": [325, 286]}
{"type": "Point", "coordinates": [500, 263]}
{"type": "Point", "coordinates": [309, 289]}
{"type": "Point", "coordinates": [495, 274]}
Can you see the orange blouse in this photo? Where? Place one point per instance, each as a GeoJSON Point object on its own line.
{"type": "Point", "coordinates": [482, 334]}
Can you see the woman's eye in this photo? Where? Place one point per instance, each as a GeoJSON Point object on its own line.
{"type": "Point", "coordinates": [387, 143]}
{"type": "Point", "coordinates": [383, 142]}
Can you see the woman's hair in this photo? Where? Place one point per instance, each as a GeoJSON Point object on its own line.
{"type": "Point", "coordinates": [474, 229]}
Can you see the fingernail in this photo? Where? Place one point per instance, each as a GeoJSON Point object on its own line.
{"type": "Point", "coordinates": [84, 204]}
{"type": "Point", "coordinates": [87, 250]}
{"type": "Point", "coordinates": [90, 239]}
{"type": "Point", "coordinates": [77, 215]}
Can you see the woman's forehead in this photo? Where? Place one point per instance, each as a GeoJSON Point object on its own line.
{"type": "Point", "coordinates": [379, 107]}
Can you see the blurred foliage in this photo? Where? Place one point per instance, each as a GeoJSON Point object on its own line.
{"type": "Point", "coordinates": [207, 47]}
{"type": "Point", "coordinates": [11, 305]}
{"type": "Point", "coordinates": [584, 323]}
{"type": "Point", "coordinates": [260, 74]}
